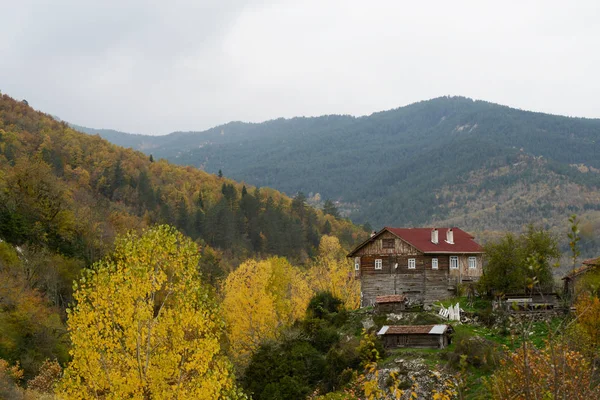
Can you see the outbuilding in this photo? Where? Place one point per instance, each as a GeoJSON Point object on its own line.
{"type": "Point", "coordinates": [418, 336]}
{"type": "Point", "coordinates": [391, 303]}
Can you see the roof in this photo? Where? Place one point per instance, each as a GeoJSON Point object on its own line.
{"type": "Point", "coordinates": [392, 298]}
{"type": "Point", "coordinates": [420, 238]}
{"type": "Point", "coordinates": [586, 266]}
{"type": "Point", "coordinates": [414, 329]}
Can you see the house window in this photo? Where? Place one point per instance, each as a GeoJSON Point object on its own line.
{"type": "Point", "coordinates": [378, 263]}
{"type": "Point", "coordinates": [453, 262]}
{"type": "Point", "coordinates": [472, 262]}
{"type": "Point", "coordinates": [357, 263]}
{"type": "Point", "coordinates": [411, 263]}
{"type": "Point", "coordinates": [387, 243]}
{"type": "Point", "coordinates": [434, 263]}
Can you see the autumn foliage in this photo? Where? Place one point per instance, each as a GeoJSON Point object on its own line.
{"type": "Point", "coordinates": [261, 297]}
{"type": "Point", "coordinates": [332, 272]}
{"type": "Point", "coordinates": [555, 372]}
{"type": "Point", "coordinates": [145, 327]}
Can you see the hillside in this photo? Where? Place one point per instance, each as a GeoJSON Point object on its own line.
{"type": "Point", "coordinates": [449, 160]}
{"type": "Point", "coordinates": [116, 187]}
{"type": "Point", "coordinates": [65, 196]}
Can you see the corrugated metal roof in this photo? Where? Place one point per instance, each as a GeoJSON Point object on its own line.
{"type": "Point", "coordinates": [413, 329]}
{"type": "Point", "coordinates": [438, 329]}
{"type": "Point", "coordinates": [383, 330]}
{"type": "Point", "coordinates": [391, 298]}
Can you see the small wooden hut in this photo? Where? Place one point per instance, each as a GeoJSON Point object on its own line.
{"type": "Point", "coordinates": [418, 336]}
{"type": "Point", "coordinates": [587, 266]}
{"type": "Point", "coordinates": [391, 303]}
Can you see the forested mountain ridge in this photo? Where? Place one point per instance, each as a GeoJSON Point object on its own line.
{"type": "Point", "coordinates": [445, 160]}
{"type": "Point", "coordinates": [88, 172]}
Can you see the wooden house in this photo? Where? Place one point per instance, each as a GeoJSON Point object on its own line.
{"type": "Point", "coordinates": [421, 336]}
{"type": "Point", "coordinates": [391, 303]}
{"type": "Point", "coordinates": [421, 263]}
{"type": "Point", "coordinates": [571, 279]}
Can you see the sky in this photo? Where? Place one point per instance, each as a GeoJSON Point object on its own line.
{"type": "Point", "coordinates": [156, 67]}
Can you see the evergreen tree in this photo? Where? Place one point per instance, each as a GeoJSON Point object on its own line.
{"type": "Point", "coordinates": [329, 208]}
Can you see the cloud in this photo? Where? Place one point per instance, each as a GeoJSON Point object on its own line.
{"type": "Point", "coordinates": [155, 67]}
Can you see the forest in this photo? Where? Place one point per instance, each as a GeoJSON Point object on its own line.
{"type": "Point", "coordinates": [445, 161]}
{"type": "Point", "coordinates": [65, 197]}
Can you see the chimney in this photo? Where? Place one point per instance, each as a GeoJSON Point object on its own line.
{"type": "Point", "coordinates": [450, 236]}
{"type": "Point", "coordinates": [434, 236]}
{"type": "Point", "coordinates": [374, 233]}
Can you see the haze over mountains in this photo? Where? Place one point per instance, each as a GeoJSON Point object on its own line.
{"type": "Point", "coordinates": [449, 160]}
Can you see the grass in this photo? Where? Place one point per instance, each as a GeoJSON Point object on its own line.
{"type": "Point", "coordinates": [431, 357]}
{"type": "Point", "coordinates": [478, 304]}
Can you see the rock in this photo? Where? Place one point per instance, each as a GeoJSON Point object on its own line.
{"type": "Point", "coordinates": [368, 323]}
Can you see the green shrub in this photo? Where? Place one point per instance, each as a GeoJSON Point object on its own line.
{"type": "Point", "coordinates": [427, 319]}
{"type": "Point", "coordinates": [477, 351]}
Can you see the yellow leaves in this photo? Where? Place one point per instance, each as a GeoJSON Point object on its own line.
{"type": "Point", "coordinates": [332, 272]}
{"type": "Point", "coordinates": [260, 298]}
{"type": "Point", "coordinates": [143, 325]}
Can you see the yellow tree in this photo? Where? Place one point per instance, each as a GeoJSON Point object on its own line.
{"type": "Point", "coordinates": [143, 325]}
{"type": "Point", "coordinates": [261, 297]}
{"type": "Point", "coordinates": [334, 273]}
{"type": "Point", "coordinates": [584, 334]}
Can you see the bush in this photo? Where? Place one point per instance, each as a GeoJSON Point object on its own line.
{"type": "Point", "coordinates": [320, 333]}
{"type": "Point", "coordinates": [322, 305]}
{"type": "Point", "coordinates": [479, 352]}
{"type": "Point", "coordinates": [427, 319]}
{"type": "Point", "coordinates": [556, 372]}
{"type": "Point", "coordinates": [341, 359]}
{"type": "Point", "coordinates": [278, 370]}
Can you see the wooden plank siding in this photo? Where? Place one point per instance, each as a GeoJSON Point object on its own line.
{"type": "Point", "coordinates": [415, 341]}
{"type": "Point", "coordinates": [376, 247]}
{"type": "Point", "coordinates": [422, 283]}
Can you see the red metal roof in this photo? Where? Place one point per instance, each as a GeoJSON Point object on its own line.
{"type": "Point", "coordinates": [421, 239]}
{"type": "Point", "coordinates": [391, 298]}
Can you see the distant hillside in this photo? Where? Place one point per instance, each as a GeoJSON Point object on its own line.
{"type": "Point", "coordinates": [447, 160]}
{"type": "Point", "coordinates": [72, 193]}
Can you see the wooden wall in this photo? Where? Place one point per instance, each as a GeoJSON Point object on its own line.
{"type": "Point", "coordinates": [464, 272]}
{"type": "Point", "coordinates": [376, 246]}
{"type": "Point", "coordinates": [422, 282]}
{"type": "Point", "coordinates": [427, 286]}
{"type": "Point", "coordinates": [390, 307]}
{"type": "Point", "coordinates": [415, 340]}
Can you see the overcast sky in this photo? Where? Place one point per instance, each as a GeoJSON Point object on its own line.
{"type": "Point", "coordinates": [160, 66]}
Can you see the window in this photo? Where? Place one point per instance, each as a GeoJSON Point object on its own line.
{"type": "Point", "coordinates": [472, 262]}
{"type": "Point", "coordinates": [357, 263]}
{"type": "Point", "coordinates": [434, 263]}
{"type": "Point", "coordinates": [411, 263]}
{"type": "Point", "coordinates": [387, 243]}
{"type": "Point", "coordinates": [378, 263]}
{"type": "Point", "coordinates": [453, 262]}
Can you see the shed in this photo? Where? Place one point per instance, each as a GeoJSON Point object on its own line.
{"type": "Point", "coordinates": [422, 336]}
{"type": "Point", "coordinates": [587, 266]}
{"type": "Point", "coordinates": [390, 303]}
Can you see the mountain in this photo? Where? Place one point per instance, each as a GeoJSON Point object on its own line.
{"type": "Point", "coordinates": [449, 160]}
